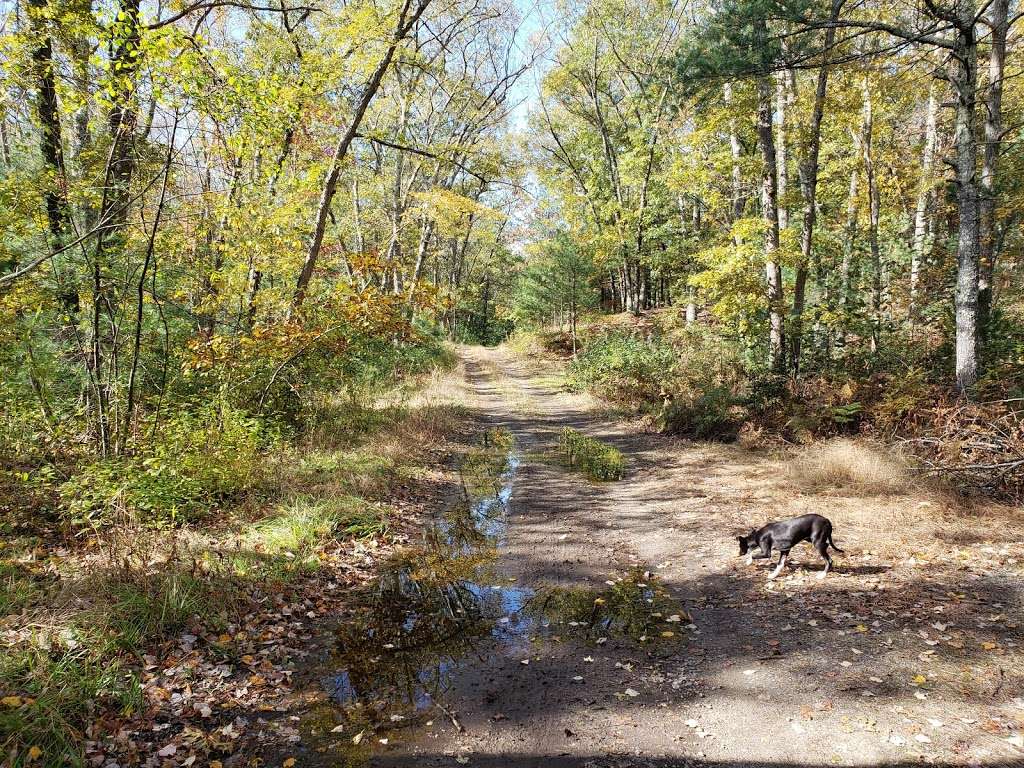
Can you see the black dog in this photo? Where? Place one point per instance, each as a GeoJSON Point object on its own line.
{"type": "Point", "coordinates": [785, 535]}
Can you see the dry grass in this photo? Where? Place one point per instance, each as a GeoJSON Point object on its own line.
{"type": "Point", "coordinates": [875, 499]}
{"type": "Point", "coordinates": [856, 466]}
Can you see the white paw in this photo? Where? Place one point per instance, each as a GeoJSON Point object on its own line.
{"type": "Point", "coordinates": [750, 560]}
{"type": "Point", "coordinates": [822, 575]}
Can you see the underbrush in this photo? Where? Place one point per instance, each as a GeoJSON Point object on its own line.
{"type": "Point", "coordinates": [218, 507]}
{"type": "Point", "coordinates": [201, 459]}
{"type": "Point", "coordinates": [688, 381]}
{"type": "Point", "coordinates": [692, 380]}
{"type": "Point", "coordinates": [598, 460]}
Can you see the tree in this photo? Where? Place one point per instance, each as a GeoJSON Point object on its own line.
{"type": "Point", "coordinates": [556, 286]}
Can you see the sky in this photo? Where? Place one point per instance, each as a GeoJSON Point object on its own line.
{"type": "Point", "coordinates": [534, 17]}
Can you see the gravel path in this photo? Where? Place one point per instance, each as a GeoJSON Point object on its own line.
{"type": "Point", "coordinates": [693, 657]}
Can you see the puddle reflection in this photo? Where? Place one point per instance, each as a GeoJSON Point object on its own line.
{"type": "Point", "coordinates": [438, 604]}
{"type": "Point", "coordinates": [636, 606]}
{"type": "Point", "coordinates": [433, 604]}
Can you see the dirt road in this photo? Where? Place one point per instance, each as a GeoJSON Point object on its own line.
{"type": "Point", "coordinates": [612, 624]}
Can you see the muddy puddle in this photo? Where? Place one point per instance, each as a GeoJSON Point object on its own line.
{"type": "Point", "coordinates": [445, 603]}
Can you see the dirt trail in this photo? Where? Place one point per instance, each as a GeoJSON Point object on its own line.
{"type": "Point", "coordinates": [695, 658]}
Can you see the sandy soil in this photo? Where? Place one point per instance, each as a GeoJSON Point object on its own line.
{"type": "Point", "coordinates": [906, 654]}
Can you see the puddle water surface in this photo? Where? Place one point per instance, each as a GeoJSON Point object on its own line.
{"type": "Point", "coordinates": [433, 604]}
{"type": "Point", "coordinates": [446, 601]}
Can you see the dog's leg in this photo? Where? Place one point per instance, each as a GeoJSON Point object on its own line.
{"type": "Point", "coordinates": [750, 558]}
{"type": "Point", "coordinates": [780, 566]}
{"type": "Point", "coordinates": [766, 549]}
{"type": "Point", "coordinates": [822, 546]}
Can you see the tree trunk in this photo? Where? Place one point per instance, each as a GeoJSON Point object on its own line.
{"type": "Point", "coordinates": [965, 85]}
{"type": "Point", "coordinates": [849, 251]}
{"type": "Point", "coordinates": [784, 98]}
{"type": "Point", "coordinates": [58, 212]}
{"type": "Point", "coordinates": [866, 145]}
{"type": "Point", "coordinates": [770, 212]}
{"type": "Point", "coordinates": [924, 196]}
{"type": "Point", "coordinates": [808, 173]}
{"type": "Point", "coordinates": [997, 22]}
{"type": "Point", "coordinates": [738, 203]}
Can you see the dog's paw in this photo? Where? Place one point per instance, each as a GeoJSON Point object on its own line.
{"type": "Point", "coordinates": [822, 575]}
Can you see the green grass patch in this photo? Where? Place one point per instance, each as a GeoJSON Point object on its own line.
{"type": "Point", "coordinates": [597, 460]}
{"type": "Point", "coordinates": [160, 605]}
{"type": "Point", "coordinates": [47, 694]}
{"type": "Point", "coordinates": [291, 540]}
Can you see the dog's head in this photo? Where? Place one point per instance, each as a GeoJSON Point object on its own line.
{"type": "Point", "coordinates": [746, 542]}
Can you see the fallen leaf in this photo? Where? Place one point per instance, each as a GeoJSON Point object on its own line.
{"type": "Point", "coordinates": [34, 753]}
{"type": "Point", "coordinates": [288, 763]}
{"type": "Point", "coordinates": [631, 692]}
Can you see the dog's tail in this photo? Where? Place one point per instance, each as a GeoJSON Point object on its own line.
{"type": "Point", "coordinates": [832, 543]}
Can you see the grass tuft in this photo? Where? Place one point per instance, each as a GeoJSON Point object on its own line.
{"type": "Point", "coordinates": [45, 696]}
{"type": "Point", "coordinates": [597, 460]}
{"type": "Point", "coordinates": [157, 606]}
{"type": "Point", "coordinates": [851, 465]}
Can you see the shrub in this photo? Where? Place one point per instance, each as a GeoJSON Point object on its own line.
{"type": "Point", "coordinates": [597, 460]}
{"type": "Point", "coordinates": [624, 367]}
{"type": "Point", "coordinates": [690, 380]}
{"type": "Point", "coordinates": [196, 460]}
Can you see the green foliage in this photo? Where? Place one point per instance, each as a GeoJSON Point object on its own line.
{"type": "Point", "coordinates": [597, 460]}
{"type": "Point", "coordinates": [689, 380]}
{"type": "Point", "coordinates": [196, 460]}
{"type": "Point", "coordinates": [556, 284]}
{"type": "Point", "coordinates": [622, 366]}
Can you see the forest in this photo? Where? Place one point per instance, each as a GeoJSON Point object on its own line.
{"type": "Point", "coordinates": [256, 259]}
